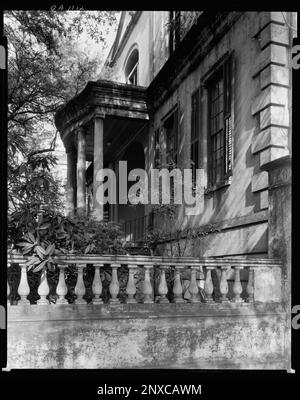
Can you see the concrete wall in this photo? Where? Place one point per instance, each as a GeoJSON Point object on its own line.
{"type": "Point", "coordinates": [146, 336]}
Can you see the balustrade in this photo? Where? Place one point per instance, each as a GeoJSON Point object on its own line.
{"type": "Point", "coordinates": [238, 272]}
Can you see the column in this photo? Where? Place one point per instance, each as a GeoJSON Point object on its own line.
{"type": "Point", "coordinates": [70, 186]}
{"type": "Point", "coordinates": [81, 161]}
{"type": "Point", "coordinates": [98, 165]}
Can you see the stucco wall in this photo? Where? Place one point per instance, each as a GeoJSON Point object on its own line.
{"type": "Point", "coordinates": [150, 37]}
{"type": "Point", "coordinates": [260, 44]}
{"type": "Point", "coordinates": [146, 336]}
{"type": "Point", "coordinates": [243, 205]}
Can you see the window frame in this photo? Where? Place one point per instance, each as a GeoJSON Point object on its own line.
{"type": "Point", "coordinates": [171, 114]}
{"type": "Point", "coordinates": [195, 135]}
{"type": "Point", "coordinates": [157, 148]}
{"type": "Point", "coordinates": [133, 72]}
{"type": "Point", "coordinates": [133, 56]}
{"type": "Point", "coordinates": [228, 117]}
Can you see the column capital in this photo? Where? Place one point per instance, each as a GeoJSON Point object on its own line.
{"type": "Point", "coordinates": [98, 113]}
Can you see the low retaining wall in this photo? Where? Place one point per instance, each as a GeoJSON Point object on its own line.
{"type": "Point", "coordinates": [199, 336]}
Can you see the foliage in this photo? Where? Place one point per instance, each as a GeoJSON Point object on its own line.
{"type": "Point", "coordinates": [31, 182]}
{"type": "Point", "coordinates": [169, 226]}
{"type": "Point", "coordinates": [46, 67]}
{"type": "Point", "coordinates": [44, 234]}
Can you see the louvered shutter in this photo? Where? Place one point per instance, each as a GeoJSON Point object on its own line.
{"type": "Point", "coordinates": [228, 117]}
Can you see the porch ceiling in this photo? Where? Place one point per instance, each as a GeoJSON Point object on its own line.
{"type": "Point", "coordinates": [123, 107]}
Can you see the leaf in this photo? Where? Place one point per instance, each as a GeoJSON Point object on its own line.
{"type": "Point", "coordinates": [26, 251]}
{"type": "Point", "coordinates": [31, 237]}
{"type": "Point", "coordinates": [25, 244]}
{"type": "Point", "coordinates": [40, 266]}
{"type": "Point", "coordinates": [45, 226]}
{"type": "Point", "coordinates": [39, 253]}
{"type": "Point", "coordinates": [32, 261]}
{"type": "Point", "coordinates": [40, 248]}
{"type": "Point", "coordinates": [50, 249]}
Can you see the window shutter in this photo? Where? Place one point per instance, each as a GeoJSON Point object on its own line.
{"type": "Point", "coordinates": [228, 116]}
{"type": "Point", "coordinates": [195, 132]}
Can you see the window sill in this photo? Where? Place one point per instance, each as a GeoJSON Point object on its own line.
{"type": "Point", "coordinates": [218, 186]}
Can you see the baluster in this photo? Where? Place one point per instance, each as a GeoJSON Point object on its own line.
{"type": "Point", "coordinates": [223, 285]}
{"type": "Point", "coordinates": [61, 289]}
{"type": "Point", "coordinates": [97, 285]}
{"type": "Point", "coordinates": [114, 284]}
{"type": "Point", "coordinates": [237, 286]}
{"type": "Point", "coordinates": [163, 287]}
{"type": "Point", "coordinates": [250, 286]}
{"type": "Point", "coordinates": [23, 288]}
{"type": "Point", "coordinates": [130, 288]}
{"type": "Point", "coordinates": [147, 287]}
{"type": "Point", "coordinates": [193, 287]}
{"type": "Point", "coordinates": [80, 288]}
{"type": "Point", "coordinates": [43, 289]}
{"type": "Point", "coordinates": [177, 287]}
{"type": "Point", "coordinates": [209, 286]}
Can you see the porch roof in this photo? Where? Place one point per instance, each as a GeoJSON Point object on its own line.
{"type": "Point", "coordinates": [107, 98]}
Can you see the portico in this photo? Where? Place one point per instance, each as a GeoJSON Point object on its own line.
{"type": "Point", "coordinates": [94, 127]}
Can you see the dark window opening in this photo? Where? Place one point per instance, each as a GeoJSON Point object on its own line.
{"type": "Point", "coordinates": [220, 126]}
{"type": "Point", "coordinates": [172, 136]}
{"type": "Point", "coordinates": [157, 149]}
{"type": "Point", "coordinates": [195, 133]}
{"type": "Point", "coordinates": [171, 127]}
{"type": "Point", "coordinates": [131, 69]}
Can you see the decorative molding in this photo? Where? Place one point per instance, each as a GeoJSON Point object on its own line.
{"type": "Point", "coordinates": [271, 105]}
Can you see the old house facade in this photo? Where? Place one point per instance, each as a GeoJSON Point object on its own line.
{"type": "Point", "coordinates": [212, 91]}
{"type": "Point", "coordinates": [209, 90]}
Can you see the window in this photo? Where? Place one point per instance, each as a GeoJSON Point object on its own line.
{"type": "Point", "coordinates": [131, 69]}
{"type": "Point", "coordinates": [174, 33]}
{"type": "Point", "coordinates": [171, 127]}
{"type": "Point", "coordinates": [172, 136]}
{"type": "Point", "coordinates": [220, 125]}
{"type": "Point", "coordinates": [195, 133]}
{"type": "Point", "coordinates": [157, 149]}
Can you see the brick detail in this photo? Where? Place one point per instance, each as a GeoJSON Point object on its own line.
{"type": "Point", "coordinates": [271, 105]}
{"type": "Point", "coordinates": [264, 199]}
{"type": "Point", "coordinates": [265, 18]}
{"type": "Point", "coordinates": [272, 136]}
{"type": "Point", "coordinates": [274, 33]}
{"type": "Point", "coordinates": [260, 181]}
{"type": "Point", "coordinates": [273, 94]}
{"type": "Point", "coordinates": [272, 153]}
{"type": "Point", "coordinates": [274, 115]}
{"type": "Point", "coordinates": [275, 74]}
{"type": "Point", "coordinates": [272, 54]}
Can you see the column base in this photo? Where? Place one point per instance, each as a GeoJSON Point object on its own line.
{"type": "Point", "coordinates": [178, 300]}
{"type": "Point", "coordinates": [131, 301]}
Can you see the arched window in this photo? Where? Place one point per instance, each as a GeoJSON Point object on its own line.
{"type": "Point", "coordinates": [131, 68]}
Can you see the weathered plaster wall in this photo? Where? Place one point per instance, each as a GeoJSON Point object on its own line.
{"type": "Point", "coordinates": [150, 36]}
{"type": "Point", "coordinates": [260, 42]}
{"type": "Point", "coordinates": [146, 336]}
